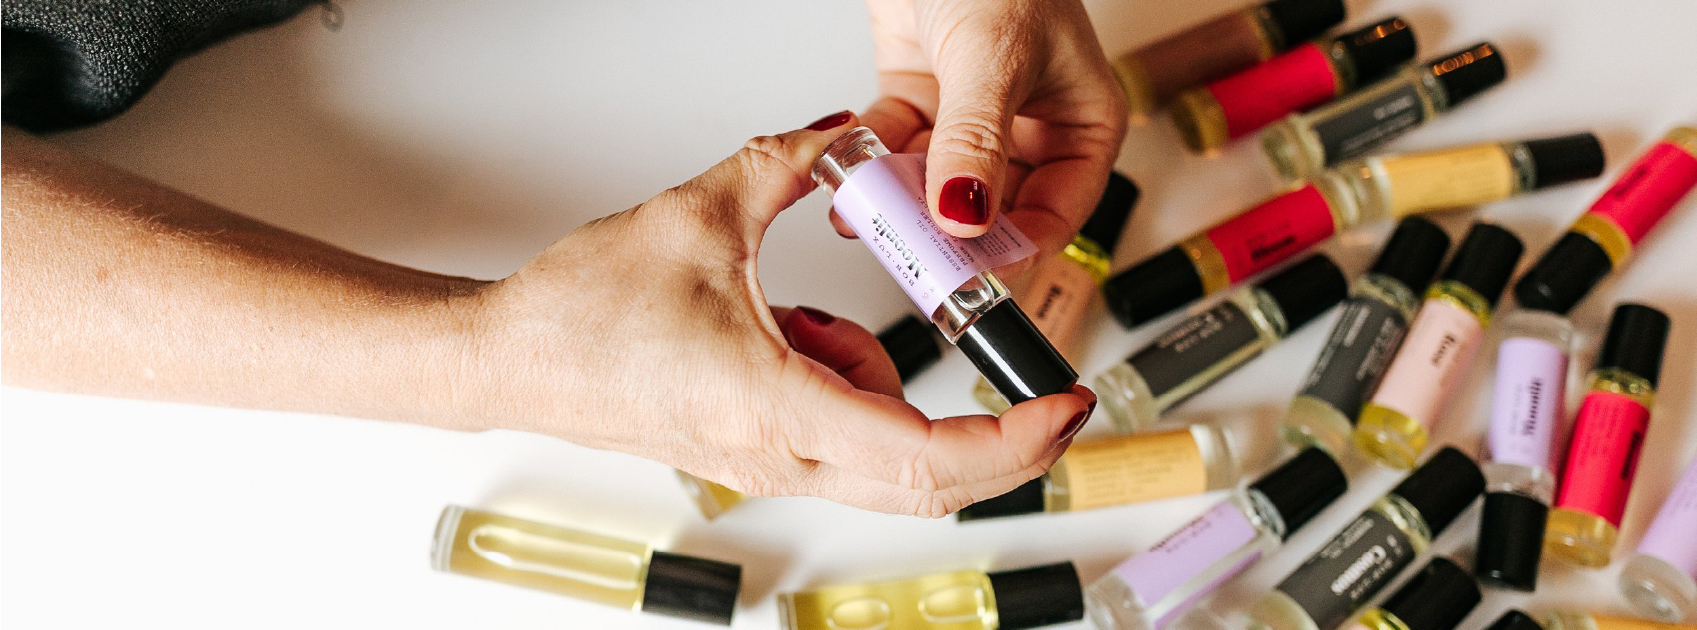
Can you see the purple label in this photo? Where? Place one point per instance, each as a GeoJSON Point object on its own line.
{"type": "Point", "coordinates": [1527, 402]}
{"type": "Point", "coordinates": [1187, 554]}
{"type": "Point", "coordinates": [1673, 535]}
{"type": "Point", "coordinates": [884, 203]}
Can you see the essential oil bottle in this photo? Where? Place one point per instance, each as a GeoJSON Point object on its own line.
{"type": "Point", "coordinates": [1660, 580]}
{"type": "Point", "coordinates": [960, 600]}
{"type": "Point", "coordinates": [1607, 435]}
{"type": "Point", "coordinates": [1207, 346]}
{"type": "Point", "coordinates": [1372, 549]}
{"type": "Point", "coordinates": [1469, 175]}
{"type": "Point", "coordinates": [1365, 337]}
{"type": "Point", "coordinates": [882, 198]}
{"type": "Point", "coordinates": [1121, 470]}
{"type": "Point", "coordinates": [1302, 144]}
{"type": "Point", "coordinates": [1604, 237]}
{"type": "Point", "coordinates": [1437, 597]}
{"type": "Point", "coordinates": [1568, 620]}
{"type": "Point", "coordinates": [1300, 79]}
{"type": "Point", "coordinates": [1154, 589]}
{"type": "Point", "coordinates": [585, 566]}
{"type": "Point", "coordinates": [1060, 288]}
{"type": "Point", "coordinates": [1157, 72]}
{"type": "Point", "coordinates": [1396, 422]}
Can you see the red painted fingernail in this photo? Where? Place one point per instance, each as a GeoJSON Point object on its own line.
{"type": "Point", "coordinates": [965, 200]}
{"type": "Point", "coordinates": [1076, 423]}
{"type": "Point", "coordinates": [831, 122]}
{"type": "Point", "coordinates": [818, 317]}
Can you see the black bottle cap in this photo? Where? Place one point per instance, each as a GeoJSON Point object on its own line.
{"type": "Point", "coordinates": [1306, 289]}
{"type": "Point", "coordinates": [1413, 253]}
{"type": "Point", "coordinates": [912, 343]}
{"type": "Point", "coordinates": [1515, 620]}
{"type": "Point", "coordinates": [691, 588]}
{"type": "Point", "coordinates": [1436, 598]}
{"type": "Point", "coordinates": [1017, 359]}
{"type": "Point", "coordinates": [1038, 596]}
{"type": "Point", "coordinates": [1152, 288]}
{"type": "Point", "coordinates": [1302, 487]}
{"type": "Point", "coordinates": [1026, 499]}
{"type": "Point", "coordinates": [1302, 20]}
{"type": "Point", "coordinates": [1566, 273]}
{"type": "Point", "coordinates": [1469, 71]}
{"type": "Point", "coordinates": [1637, 336]}
{"type": "Point", "coordinates": [1442, 488]}
{"type": "Point", "coordinates": [1485, 260]}
{"type": "Point", "coordinates": [1379, 48]}
{"type": "Point", "coordinates": [1564, 159]}
{"type": "Point", "coordinates": [1108, 220]}
{"type": "Point", "coordinates": [1511, 540]}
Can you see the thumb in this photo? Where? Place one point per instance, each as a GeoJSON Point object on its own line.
{"type": "Point", "coordinates": [968, 152]}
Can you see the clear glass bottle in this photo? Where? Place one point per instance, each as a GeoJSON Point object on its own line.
{"type": "Point", "coordinates": [1395, 423]}
{"type": "Point", "coordinates": [1302, 144]}
{"type": "Point", "coordinates": [1608, 432]}
{"type": "Point", "coordinates": [1371, 550]}
{"type": "Point", "coordinates": [583, 565]}
{"type": "Point", "coordinates": [1122, 470]}
{"type": "Point", "coordinates": [1660, 579]}
{"type": "Point", "coordinates": [958, 600]}
{"type": "Point", "coordinates": [1469, 175]}
{"type": "Point", "coordinates": [1156, 588]}
{"type": "Point", "coordinates": [1569, 620]}
{"type": "Point", "coordinates": [1365, 338]}
{"type": "Point", "coordinates": [1209, 345]}
{"type": "Point", "coordinates": [1437, 597]}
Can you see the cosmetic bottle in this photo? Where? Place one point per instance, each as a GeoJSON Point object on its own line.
{"type": "Point", "coordinates": [1302, 144]}
{"type": "Point", "coordinates": [1154, 588]}
{"type": "Point", "coordinates": [881, 196]}
{"type": "Point", "coordinates": [1060, 287]}
{"type": "Point", "coordinates": [1469, 175]}
{"type": "Point", "coordinates": [1515, 620]}
{"type": "Point", "coordinates": [1608, 432]}
{"type": "Point", "coordinates": [1604, 237]}
{"type": "Point", "coordinates": [1371, 550]}
{"type": "Point", "coordinates": [1396, 422]}
{"type": "Point", "coordinates": [584, 566]}
{"type": "Point", "coordinates": [1566, 620]}
{"type": "Point", "coordinates": [1437, 597]}
{"type": "Point", "coordinates": [1660, 580]}
{"type": "Point", "coordinates": [1121, 470]}
{"type": "Point", "coordinates": [1297, 80]}
{"type": "Point", "coordinates": [912, 345]}
{"type": "Point", "coordinates": [1209, 345]}
{"type": "Point", "coordinates": [1157, 72]}
{"type": "Point", "coordinates": [960, 600]}
{"type": "Point", "coordinates": [1365, 338]}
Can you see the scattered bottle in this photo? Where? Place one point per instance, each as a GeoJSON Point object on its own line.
{"type": "Point", "coordinates": [1567, 620]}
{"type": "Point", "coordinates": [1297, 80]}
{"type": "Point", "coordinates": [1469, 175]}
{"type": "Point", "coordinates": [1302, 144]}
{"type": "Point", "coordinates": [585, 566]}
{"type": "Point", "coordinates": [1396, 422]}
{"type": "Point", "coordinates": [960, 600]}
{"type": "Point", "coordinates": [1660, 580]}
{"type": "Point", "coordinates": [1607, 435]}
{"type": "Point", "coordinates": [1207, 346]}
{"type": "Point", "coordinates": [1437, 597]}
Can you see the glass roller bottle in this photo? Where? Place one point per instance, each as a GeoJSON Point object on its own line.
{"type": "Point", "coordinates": [958, 600]}
{"type": "Point", "coordinates": [1660, 579]}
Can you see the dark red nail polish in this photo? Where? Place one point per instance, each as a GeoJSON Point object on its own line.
{"type": "Point", "coordinates": [965, 200]}
{"type": "Point", "coordinates": [1076, 423]}
{"type": "Point", "coordinates": [831, 122]}
{"type": "Point", "coordinates": [818, 317]}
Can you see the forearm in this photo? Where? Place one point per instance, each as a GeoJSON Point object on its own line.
{"type": "Point", "coordinates": [116, 285]}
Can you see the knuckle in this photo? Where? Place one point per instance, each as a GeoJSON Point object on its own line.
{"type": "Point", "coordinates": [975, 136]}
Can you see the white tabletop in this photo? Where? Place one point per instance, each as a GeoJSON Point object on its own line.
{"type": "Point", "coordinates": [464, 137]}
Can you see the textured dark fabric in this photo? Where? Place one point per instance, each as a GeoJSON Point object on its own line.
{"type": "Point", "coordinates": [71, 63]}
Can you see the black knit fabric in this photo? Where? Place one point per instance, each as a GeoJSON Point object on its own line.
{"type": "Point", "coordinates": [71, 63]}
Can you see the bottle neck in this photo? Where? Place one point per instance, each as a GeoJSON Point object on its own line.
{"type": "Point", "coordinates": [1463, 297]}
{"type": "Point", "coordinates": [1618, 381]}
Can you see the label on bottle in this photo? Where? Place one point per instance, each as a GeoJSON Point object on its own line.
{"type": "Point", "coordinates": [1608, 434]}
{"type": "Point", "coordinates": [1648, 189]}
{"type": "Point", "coordinates": [1370, 123]}
{"type": "Point", "coordinates": [1157, 575]}
{"type": "Point", "coordinates": [1425, 372]}
{"type": "Point", "coordinates": [884, 203]}
{"type": "Point", "coordinates": [1526, 402]}
{"type": "Point", "coordinates": [1466, 176]}
{"type": "Point", "coordinates": [1056, 298]}
{"type": "Point", "coordinates": [1295, 81]}
{"type": "Point", "coordinates": [1356, 354]}
{"type": "Point", "coordinates": [1349, 570]}
{"type": "Point", "coordinates": [1195, 345]}
{"type": "Point", "coordinates": [1134, 469]}
{"type": "Point", "coordinates": [1673, 535]}
{"type": "Point", "coordinates": [1272, 232]}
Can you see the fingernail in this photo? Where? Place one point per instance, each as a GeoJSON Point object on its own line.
{"type": "Point", "coordinates": [818, 317]}
{"type": "Point", "coordinates": [1076, 423]}
{"type": "Point", "coordinates": [965, 200]}
{"type": "Point", "coordinates": [831, 122]}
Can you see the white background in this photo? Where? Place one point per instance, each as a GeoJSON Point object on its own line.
{"type": "Point", "coordinates": [463, 137]}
